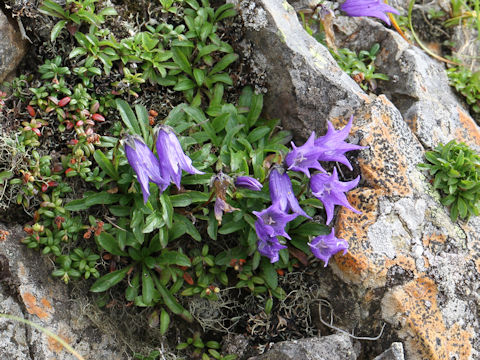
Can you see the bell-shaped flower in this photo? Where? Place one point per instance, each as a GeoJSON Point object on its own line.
{"type": "Point", "coordinates": [330, 191]}
{"type": "Point", "coordinates": [270, 247]}
{"type": "Point", "coordinates": [248, 182]}
{"type": "Point", "coordinates": [325, 246]}
{"type": "Point", "coordinates": [172, 158]}
{"type": "Point", "coordinates": [281, 193]}
{"type": "Point", "coordinates": [144, 163]}
{"type": "Point", "coordinates": [332, 146]}
{"type": "Point", "coordinates": [373, 8]}
{"type": "Point", "coordinates": [304, 157]}
{"type": "Point", "coordinates": [272, 221]}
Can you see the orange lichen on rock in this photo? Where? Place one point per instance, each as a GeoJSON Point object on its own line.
{"type": "Point", "coordinates": [357, 266]}
{"type": "Point", "coordinates": [384, 167]}
{"type": "Point", "coordinates": [468, 132]}
{"type": "Point", "coordinates": [412, 123]}
{"type": "Point", "coordinates": [54, 345]}
{"type": "Point", "coordinates": [42, 310]}
{"type": "Point", "coordinates": [414, 306]}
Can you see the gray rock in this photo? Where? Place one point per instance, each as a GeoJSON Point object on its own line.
{"type": "Point", "coordinates": [333, 347]}
{"type": "Point", "coordinates": [28, 291]}
{"type": "Point", "coordinates": [12, 47]}
{"type": "Point", "coordinates": [395, 352]}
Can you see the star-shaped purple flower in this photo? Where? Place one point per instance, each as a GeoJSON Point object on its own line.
{"type": "Point", "coordinates": [281, 193]}
{"type": "Point", "coordinates": [332, 146]}
{"type": "Point", "coordinates": [304, 157]}
{"type": "Point", "coordinates": [325, 246]}
{"type": "Point", "coordinates": [373, 8]}
{"type": "Point", "coordinates": [172, 158]}
{"type": "Point", "coordinates": [272, 221]}
{"type": "Point", "coordinates": [144, 163]}
{"type": "Point", "coordinates": [330, 191]}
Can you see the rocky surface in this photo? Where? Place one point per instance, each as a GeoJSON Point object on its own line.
{"type": "Point", "coordinates": [12, 46]}
{"type": "Point", "coordinates": [28, 291]}
{"type": "Point", "coordinates": [408, 265]}
{"type": "Point", "coordinates": [333, 347]}
{"type": "Point", "coordinates": [395, 352]}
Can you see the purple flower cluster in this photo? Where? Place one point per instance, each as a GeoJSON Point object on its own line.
{"type": "Point", "coordinates": [161, 170]}
{"type": "Point", "coordinates": [327, 188]}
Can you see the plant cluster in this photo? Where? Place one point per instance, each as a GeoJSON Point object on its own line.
{"type": "Point", "coordinates": [361, 66]}
{"type": "Point", "coordinates": [181, 209]}
{"type": "Point", "coordinates": [466, 83]}
{"type": "Point", "coordinates": [456, 171]}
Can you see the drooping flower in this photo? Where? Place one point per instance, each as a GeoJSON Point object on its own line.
{"type": "Point", "coordinates": [272, 221]}
{"type": "Point", "coordinates": [172, 158]}
{"type": "Point", "coordinates": [144, 163]}
{"type": "Point", "coordinates": [281, 193]}
{"type": "Point", "coordinates": [325, 246]}
{"type": "Point", "coordinates": [220, 183]}
{"type": "Point", "coordinates": [330, 191]}
{"type": "Point", "coordinates": [332, 147]}
{"type": "Point", "coordinates": [270, 246]}
{"type": "Point", "coordinates": [304, 157]}
{"type": "Point", "coordinates": [373, 8]}
{"type": "Point", "coordinates": [248, 182]}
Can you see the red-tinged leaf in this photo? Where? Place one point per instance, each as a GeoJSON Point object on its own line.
{"type": "Point", "coordinates": [98, 117]}
{"type": "Point", "coordinates": [299, 255]}
{"type": "Point", "coordinates": [79, 123]}
{"type": "Point", "coordinates": [44, 187]}
{"type": "Point", "coordinates": [36, 131]}
{"type": "Point", "coordinates": [31, 110]}
{"type": "Point", "coordinates": [68, 170]}
{"type": "Point", "coordinates": [64, 101]}
{"type": "Point", "coordinates": [53, 99]}
{"type": "Point", "coordinates": [188, 278]}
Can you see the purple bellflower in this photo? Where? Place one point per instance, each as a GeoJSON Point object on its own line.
{"type": "Point", "coordinates": [330, 191]}
{"type": "Point", "coordinates": [270, 246]}
{"type": "Point", "coordinates": [332, 146]}
{"type": "Point", "coordinates": [373, 8]}
{"type": "Point", "coordinates": [304, 157]}
{"type": "Point", "coordinates": [248, 182]}
{"type": "Point", "coordinates": [144, 163]}
{"type": "Point", "coordinates": [172, 158]}
{"type": "Point", "coordinates": [281, 193]}
{"type": "Point", "coordinates": [272, 221]}
{"type": "Point", "coordinates": [325, 246]}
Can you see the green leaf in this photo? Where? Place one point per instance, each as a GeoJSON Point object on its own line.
{"type": "Point", "coordinates": [110, 244]}
{"type": "Point", "coordinates": [255, 109]}
{"type": "Point", "coordinates": [108, 11]}
{"type": "Point", "coordinates": [133, 286]}
{"type": "Point", "coordinates": [462, 208]}
{"type": "Point", "coordinates": [167, 210]}
{"type": "Point", "coordinates": [57, 29]}
{"type": "Point", "coordinates": [101, 198]}
{"type": "Point", "coordinates": [199, 117]}
{"type": "Point", "coordinates": [5, 175]}
{"type": "Point", "coordinates": [189, 197]}
{"type": "Point", "coordinates": [78, 51]}
{"type": "Point", "coordinates": [223, 63]}
{"type": "Point", "coordinates": [142, 118]}
{"type": "Point", "coordinates": [258, 133]}
{"type": "Point", "coordinates": [153, 222]}
{"type": "Point", "coordinates": [311, 229]}
{"type": "Point", "coordinates": [269, 274]}
{"type": "Point", "coordinates": [164, 321]}
{"type": "Point", "coordinates": [181, 60]}
{"type": "Point", "coordinates": [199, 76]}
{"type": "Point", "coordinates": [148, 288]}
{"type": "Point", "coordinates": [107, 281]}
{"type": "Point", "coordinates": [128, 117]}
{"type": "Point", "coordinates": [231, 227]}
{"type": "Point", "coordinates": [173, 258]}
{"type": "Point", "coordinates": [105, 164]}
{"type": "Point", "coordinates": [171, 302]}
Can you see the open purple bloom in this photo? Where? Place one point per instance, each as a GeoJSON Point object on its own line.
{"type": "Point", "coordinates": [172, 158]}
{"type": "Point", "coordinates": [325, 246]}
{"type": "Point", "coordinates": [281, 193]}
{"type": "Point", "coordinates": [373, 8]}
{"type": "Point", "coordinates": [144, 163]}
{"type": "Point", "coordinates": [330, 191]}
{"type": "Point", "coordinates": [248, 182]}
{"type": "Point", "coordinates": [304, 157]}
{"type": "Point", "coordinates": [332, 146]}
{"type": "Point", "coordinates": [272, 221]}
